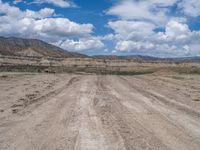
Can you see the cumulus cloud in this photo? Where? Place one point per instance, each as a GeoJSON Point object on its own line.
{"type": "Point", "coordinates": [59, 3]}
{"type": "Point", "coordinates": [16, 13]}
{"type": "Point", "coordinates": [138, 21]}
{"type": "Point", "coordinates": [62, 27]}
{"type": "Point", "coordinates": [176, 32]}
{"type": "Point", "coordinates": [131, 29]}
{"type": "Point", "coordinates": [44, 25]}
{"type": "Point", "coordinates": [81, 44]}
{"type": "Point", "coordinates": [133, 45]}
{"type": "Point", "coordinates": [154, 11]}
{"type": "Point", "coordinates": [140, 37]}
{"type": "Point", "coordinates": [190, 7]}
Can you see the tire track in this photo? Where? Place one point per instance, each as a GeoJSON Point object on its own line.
{"type": "Point", "coordinates": [36, 102]}
{"type": "Point", "coordinates": [166, 101]}
{"type": "Point", "coordinates": [101, 113]}
{"type": "Point", "coordinates": [45, 126]}
{"type": "Point", "coordinates": [123, 131]}
{"type": "Point", "coordinates": [175, 129]}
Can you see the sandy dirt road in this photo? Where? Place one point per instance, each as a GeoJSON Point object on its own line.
{"type": "Point", "coordinates": [90, 112]}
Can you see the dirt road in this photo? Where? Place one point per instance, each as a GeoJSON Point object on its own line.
{"type": "Point", "coordinates": [89, 112]}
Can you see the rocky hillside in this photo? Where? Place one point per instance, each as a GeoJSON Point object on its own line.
{"type": "Point", "coordinates": [33, 48]}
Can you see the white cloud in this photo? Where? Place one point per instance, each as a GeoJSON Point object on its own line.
{"type": "Point", "coordinates": [140, 37]}
{"type": "Point", "coordinates": [135, 29]}
{"type": "Point", "coordinates": [133, 45]}
{"type": "Point", "coordinates": [190, 7]}
{"type": "Point", "coordinates": [176, 32]}
{"type": "Point", "coordinates": [154, 11]}
{"type": "Point", "coordinates": [44, 25]}
{"type": "Point", "coordinates": [107, 37]}
{"type": "Point", "coordinates": [59, 3]}
{"type": "Point", "coordinates": [163, 3]}
{"type": "Point", "coordinates": [46, 28]}
{"type": "Point", "coordinates": [12, 11]}
{"type": "Point", "coordinates": [131, 29]}
{"type": "Point", "coordinates": [62, 27]}
{"type": "Point", "coordinates": [43, 13]}
{"type": "Point", "coordinates": [16, 13]}
{"type": "Point", "coordinates": [82, 44]}
{"type": "Point", "coordinates": [193, 49]}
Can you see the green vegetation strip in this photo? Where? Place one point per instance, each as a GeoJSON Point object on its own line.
{"type": "Point", "coordinates": [95, 70]}
{"type": "Point", "coordinates": [60, 69]}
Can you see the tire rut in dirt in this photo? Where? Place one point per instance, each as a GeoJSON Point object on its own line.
{"type": "Point", "coordinates": [159, 118]}
{"type": "Point", "coordinates": [123, 130]}
{"type": "Point", "coordinates": [170, 103]}
{"type": "Point", "coordinates": [45, 126]}
{"type": "Point", "coordinates": [33, 103]}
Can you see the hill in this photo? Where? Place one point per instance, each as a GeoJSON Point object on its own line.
{"type": "Point", "coordinates": [32, 47]}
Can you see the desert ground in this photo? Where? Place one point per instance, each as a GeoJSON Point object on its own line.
{"type": "Point", "coordinates": [99, 112]}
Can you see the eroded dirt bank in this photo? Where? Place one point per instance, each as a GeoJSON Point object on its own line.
{"type": "Point", "coordinates": [89, 112]}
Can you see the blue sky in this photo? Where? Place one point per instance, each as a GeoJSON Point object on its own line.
{"type": "Point", "coordinates": [169, 28]}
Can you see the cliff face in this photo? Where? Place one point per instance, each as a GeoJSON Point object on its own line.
{"type": "Point", "coordinates": [32, 47]}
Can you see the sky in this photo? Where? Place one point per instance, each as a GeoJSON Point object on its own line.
{"type": "Point", "coordinates": [160, 28]}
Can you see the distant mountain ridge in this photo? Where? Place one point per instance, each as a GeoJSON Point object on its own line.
{"type": "Point", "coordinates": [13, 46]}
{"type": "Point", "coordinates": [147, 58]}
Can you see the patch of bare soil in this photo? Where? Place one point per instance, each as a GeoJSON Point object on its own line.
{"type": "Point", "coordinates": [90, 112]}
